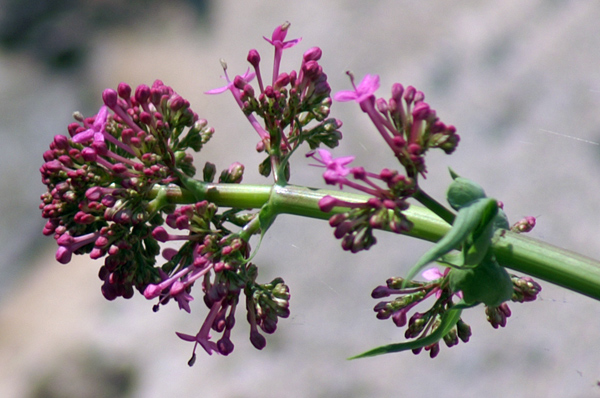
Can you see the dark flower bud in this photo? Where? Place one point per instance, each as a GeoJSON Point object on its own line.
{"type": "Point", "coordinates": [208, 172]}
{"type": "Point", "coordinates": [313, 54]}
{"type": "Point", "coordinates": [124, 90]}
{"type": "Point", "coordinates": [257, 340]}
{"type": "Point", "coordinates": [253, 58]}
{"type": "Point", "coordinates": [225, 346]}
{"type": "Point", "coordinates": [109, 96]}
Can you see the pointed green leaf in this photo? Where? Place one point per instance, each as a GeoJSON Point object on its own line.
{"type": "Point", "coordinates": [462, 191]}
{"type": "Point", "coordinates": [449, 320]}
{"type": "Point", "coordinates": [467, 221]}
{"type": "Point", "coordinates": [481, 238]}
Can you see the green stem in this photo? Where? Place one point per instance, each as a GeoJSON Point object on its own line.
{"type": "Point", "coordinates": [514, 251]}
{"type": "Point", "coordinates": [434, 206]}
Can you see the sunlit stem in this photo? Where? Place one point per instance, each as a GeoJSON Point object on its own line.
{"type": "Point", "coordinates": [514, 251]}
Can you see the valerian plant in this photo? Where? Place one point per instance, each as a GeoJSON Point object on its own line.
{"type": "Point", "coordinates": [122, 188]}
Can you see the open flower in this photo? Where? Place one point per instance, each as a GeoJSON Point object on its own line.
{"type": "Point", "coordinates": [96, 130]}
{"type": "Point", "coordinates": [365, 89]}
{"type": "Point", "coordinates": [277, 40]}
{"type": "Point", "coordinates": [336, 167]}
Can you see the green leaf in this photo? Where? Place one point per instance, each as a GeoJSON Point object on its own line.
{"type": "Point", "coordinates": [462, 191]}
{"type": "Point", "coordinates": [468, 220]}
{"type": "Point", "coordinates": [481, 239]}
{"type": "Point", "coordinates": [449, 320]}
{"type": "Point", "coordinates": [487, 283]}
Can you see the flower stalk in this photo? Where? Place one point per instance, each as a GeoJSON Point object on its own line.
{"type": "Point", "coordinates": [515, 251]}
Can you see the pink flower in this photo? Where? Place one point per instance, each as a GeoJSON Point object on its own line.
{"type": "Point", "coordinates": [432, 274]}
{"type": "Point", "coordinates": [336, 167]}
{"type": "Point", "coordinates": [203, 338]}
{"type": "Point", "coordinates": [366, 89]}
{"type": "Point", "coordinates": [96, 131]}
{"type": "Point", "coordinates": [277, 40]}
{"type": "Point", "coordinates": [248, 76]}
{"type": "Point", "coordinates": [278, 37]}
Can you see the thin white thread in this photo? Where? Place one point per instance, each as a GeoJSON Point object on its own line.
{"type": "Point", "coordinates": [570, 136]}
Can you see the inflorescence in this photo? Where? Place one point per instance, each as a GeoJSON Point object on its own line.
{"type": "Point", "coordinates": [118, 188]}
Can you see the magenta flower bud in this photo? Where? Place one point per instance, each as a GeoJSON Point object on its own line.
{"type": "Point", "coordinates": [380, 292]}
{"type": "Point", "coordinates": [327, 203]}
{"type": "Point", "coordinates": [83, 218]}
{"type": "Point", "coordinates": [409, 94]}
{"type": "Point", "coordinates": [96, 253]}
{"type": "Point", "coordinates": [177, 102]}
{"type": "Point", "coordinates": [389, 204]}
{"type": "Point", "coordinates": [414, 149]}
{"type": "Point", "coordinates": [397, 91]}
{"type": "Point", "coordinates": [142, 94]}
{"type": "Point", "coordinates": [110, 96]}
{"type": "Point", "coordinates": [66, 160]}
{"type": "Point", "coordinates": [398, 141]}
{"type": "Point", "coordinates": [50, 227]}
{"type": "Point", "coordinates": [253, 58]}
{"type": "Point", "coordinates": [182, 222]}
{"type": "Point", "coordinates": [65, 240]}
{"type": "Point", "coordinates": [119, 168]}
{"type": "Point", "coordinates": [381, 105]}
{"type": "Point", "coordinates": [152, 291]}
{"type": "Point", "coordinates": [124, 90]}
{"type": "Point", "coordinates": [89, 154]}
{"type": "Point", "coordinates": [419, 96]}
{"type": "Point", "coordinates": [248, 91]}
{"type": "Point", "coordinates": [343, 229]}
{"type": "Point", "coordinates": [145, 118]}
{"type": "Point", "coordinates": [156, 95]}
{"type": "Point", "coordinates": [61, 142]}
{"type": "Point", "coordinates": [421, 111]}
{"type": "Point", "coordinates": [313, 54]}
{"type": "Point", "coordinates": [48, 155]}
{"type": "Point", "coordinates": [312, 69]}
{"type": "Point", "coordinates": [108, 201]}
{"type": "Point", "coordinates": [239, 82]}
{"type": "Point", "coordinates": [74, 129]}
{"type": "Point", "coordinates": [168, 253]}
{"type": "Point", "coordinates": [282, 81]}
{"type": "Point", "coordinates": [63, 255]}
{"type": "Point", "coordinates": [160, 234]}
{"type": "Point", "coordinates": [399, 318]}
{"type": "Point", "coordinates": [101, 241]}
{"type": "Point", "coordinates": [336, 219]}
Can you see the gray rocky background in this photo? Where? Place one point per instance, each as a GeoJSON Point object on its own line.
{"type": "Point", "coordinates": [520, 80]}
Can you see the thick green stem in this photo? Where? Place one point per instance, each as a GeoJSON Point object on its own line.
{"type": "Point", "coordinates": [512, 250]}
{"type": "Point", "coordinates": [434, 206]}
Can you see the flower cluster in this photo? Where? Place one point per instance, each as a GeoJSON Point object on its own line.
{"type": "Point", "coordinates": [218, 260]}
{"type": "Point", "coordinates": [294, 107]}
{"type": "Point", "coordinates": [103, 179]}
{"type": "Point", "coordinates": [410, 128]}
{"type": "Point", "coordinates": [411, 293]}
{"type": "Point", "coordinates": [421, 324]}
{"type": "Point", "coordinates": [109, 194]}
{"type": "Point", "coordinates": [389, 191]}
{"type": "Point", "coordinates": [406, 122]}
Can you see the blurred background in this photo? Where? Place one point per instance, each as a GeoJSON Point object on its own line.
{"type": "Point", "coordinates": [521, 82]}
